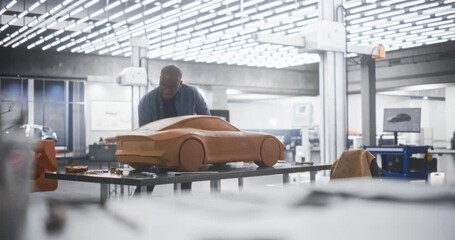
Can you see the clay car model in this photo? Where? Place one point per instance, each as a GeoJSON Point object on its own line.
{"type": "Point", "coordinates": [187, 142]}
{"type": "Point", "coordinates": [400, 117]}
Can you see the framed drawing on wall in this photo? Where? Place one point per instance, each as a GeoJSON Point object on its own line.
{"type": "Point", "coordinates": [110, 116]}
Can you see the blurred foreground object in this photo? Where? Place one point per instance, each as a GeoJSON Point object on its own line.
{"type": "Point", "coordinates": [355, 163]}
{"type": "Point", "coordinates": [15, 173]}
{"type": "Point", "coordinates": [374, 209]}
{"type": "Point", "coordinates": [45, 161]}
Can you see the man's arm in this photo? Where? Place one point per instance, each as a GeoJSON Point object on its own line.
{"type": "Point", "coordinates": [144, 112]}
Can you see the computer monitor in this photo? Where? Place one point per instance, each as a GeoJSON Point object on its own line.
{"type": "Point", "coordinates": [401, 120]}
{"type": "Point", "coordinates": [224, 114]}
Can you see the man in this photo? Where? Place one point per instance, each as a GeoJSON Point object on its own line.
{"type": "Point", "coordinates": [172, 98]}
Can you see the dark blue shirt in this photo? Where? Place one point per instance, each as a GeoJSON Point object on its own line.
{"type": "Point", "coordinates": [188, 101]}
{"type": "Point", "coordinates": [169, 108]}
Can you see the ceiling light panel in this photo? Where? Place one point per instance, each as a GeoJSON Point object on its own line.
{"type": "Point", "coordinates": [218, 31]}
{"type": "Point", "coordinates": [399, 23]}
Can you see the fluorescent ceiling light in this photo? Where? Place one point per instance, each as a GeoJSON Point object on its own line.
{"type": "Point", "coordinates": [360, 20]}
{"type": "Point", "coordinates": [170, 13]}
{"type": "Point", "coordinates": [376, 11]}
{"type": "Point", "coordinates": [132, 8]}
{"type": "Point", "coordinates": [225, 28]}
{"type": "Point", "coordinates": [375, 23]}
{"type": "Point", "coordinates": [286, 8]}
{"type": "Point", "coordinates": [409, 3]}
{"type": "Point", "coordinates": [423, 6]}
{"type": "Point", "coordinates": [362, 8]}
{"type": "Point", "coordinates": [206, 17]}
{"type": "Point", "coordinates": [190, 5]}
{"type": "Point", "coordinates": [353, 16]}
{"type": "Point", "coordinates": [437, 10]}
{"type": "Point", "coordinates": [439, 23]}
{"type": "Point", "coordinates": [407, 29]}
{"type": "Point", "coordinates": [400, 26]}
{"type": "Point", "coordinates": [112, 5]}
{"type": "Point", "coordinates": [210, 7]}
{"type": "Point", "coordinates": [414, 19]}
{"type": "Point", "coordinates": [169, 3]}
{"type": "Point", "coordinates": [445, 12]}
{"type": "Point", "coordinates": [389, 14]}
{"type": "Point", "coordinates": [404, 16]}
{"type": "Point", "coordinates": [352, 4]}
{"type": "Point", "coordinates": [411, 45]}
{"type": "Point", "coordinates": [387, 24]}
{"type": "Point", "coordinates": [269, 5]}
{"type": "Point", "coordinates": [429, 20]}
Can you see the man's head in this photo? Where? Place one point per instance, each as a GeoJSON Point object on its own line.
{"type": "Point", "coordinates": [170, 81]}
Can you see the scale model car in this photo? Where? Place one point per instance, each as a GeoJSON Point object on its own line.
{"type": "Point", "coordinates": [188, 142]}
{"type": "Point", "coordinates": [400, 117]}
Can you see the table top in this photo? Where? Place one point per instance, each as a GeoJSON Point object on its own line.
{"type": "Point", "coordinates": [442, 151]}
{"type": "Point", "coordinates": [166, 176]}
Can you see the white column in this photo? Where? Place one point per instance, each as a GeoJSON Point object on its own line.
{"type": "Point", "coordinates": [450, 113]}
{"type": "Point", "coordinates": [332, 90]}
{"type": "Point", "coordinates": [31, 101]}
{"type": "Point", "coordinates": [215, 97]}
{"type": "Point", "coordinates": [139, 52]}
{"type": "Point", "coordinates": [219, 97]}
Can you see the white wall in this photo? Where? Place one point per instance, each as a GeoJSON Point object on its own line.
{"type": "Point", "coordinates": [270, 114]}
{"type": "Point", "coordinates": [277, 113]}
{"type": "Point", "coordinates": [433, 116]}
{"type": "Point", "coordinates": [109, 92]}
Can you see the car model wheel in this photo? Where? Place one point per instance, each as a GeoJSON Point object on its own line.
{"type": "Point", "coordinates": [270, 153]}
{"type": "Point", "coordinates": [192, 155]}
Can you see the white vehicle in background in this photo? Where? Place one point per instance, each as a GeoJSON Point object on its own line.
{"type": "Point", "coordinates": [40, 131]}
{"type": "Point", "coordinates": [35, 131]}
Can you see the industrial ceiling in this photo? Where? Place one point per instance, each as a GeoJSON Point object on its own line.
{"type": "Point", "coordinates": [215, 31]}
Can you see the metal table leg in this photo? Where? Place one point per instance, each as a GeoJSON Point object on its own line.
{"type": "Point", "coordinates": [215, 186]}
{"type": "Point", "coordinates": [141, 190]}
{"type": "Point", "coordinates": [104, 192]}
{"type": "Point", "coordinates": [240, 183]}
{"type": "Point", "coordinates": [285, 178]}
{"type": "Point", "coordinates": [177, 188]}
{"type": "Point", "coordinates": [312, 177]}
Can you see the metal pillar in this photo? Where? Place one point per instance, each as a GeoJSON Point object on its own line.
{"type": "Point", "coordinates": [332, 89]}
{"type": "Point", "coordinates": [139, 52]}
{"type": "Point", "coordinates": [368, 91]}
{"type": "Point", "coordinates": [240, 183]}
{"type": "Point", "coordinates": [31, 101]}
{"type": "Point", "coordinates": [217, 97]}
{"type": "Point", "coordinates": [104, 192]}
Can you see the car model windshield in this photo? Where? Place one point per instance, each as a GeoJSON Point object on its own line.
{"type": "Point", "coordinates": [202, 122]}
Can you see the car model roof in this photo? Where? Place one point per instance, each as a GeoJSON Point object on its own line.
{"type": "Point", "coordinates": [192, 121]}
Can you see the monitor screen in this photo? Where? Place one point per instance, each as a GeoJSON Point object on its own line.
{"type": "Point", "coordinates": [401, 120]}
{"type": "Point", "coordinates": [224, 114]}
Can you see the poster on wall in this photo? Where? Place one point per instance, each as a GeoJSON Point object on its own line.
{"type": "Point", "coordinates": [111, 116]}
